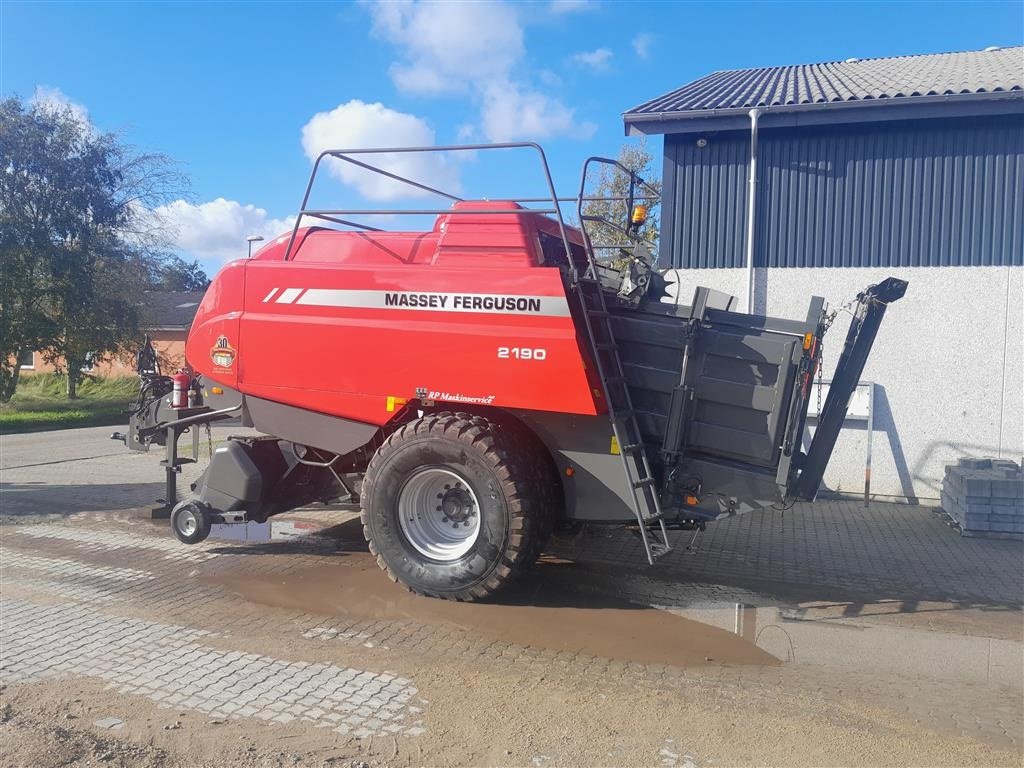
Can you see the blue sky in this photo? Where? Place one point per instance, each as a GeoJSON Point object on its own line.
{"type": "Point", "coordinates": [242, 94]}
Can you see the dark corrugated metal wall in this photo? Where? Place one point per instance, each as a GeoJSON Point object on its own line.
{"type": "Point", "coordinates": [922, 193]}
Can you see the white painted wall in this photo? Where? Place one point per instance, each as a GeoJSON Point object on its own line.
{"type": "Point", "coordinates": [948, 364]}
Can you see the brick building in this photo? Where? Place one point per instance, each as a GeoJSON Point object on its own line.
{"type": "Point", "coordinates": [166, 317]}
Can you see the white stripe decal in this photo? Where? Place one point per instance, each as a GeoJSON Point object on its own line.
{"type": "Point", "coordinates": [489, 303]}
{"type": "Point", "coordinates": [288, 295]}
{"type": "Point", "coordinates": [270, 295]}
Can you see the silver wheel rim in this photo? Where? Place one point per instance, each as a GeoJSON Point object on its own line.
{"type": "Point", "coordinates": [187, 523]}
{"type": "Point", "coordinates": [439, 514]}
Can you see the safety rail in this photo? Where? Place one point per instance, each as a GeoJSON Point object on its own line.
{"type": "Point", "coordinates": [332, 215]}
{"type": "Point", "coordinates": [631, 199]}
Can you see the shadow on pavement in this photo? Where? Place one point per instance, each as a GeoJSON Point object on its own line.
{"type": "Point", "coordinates": [48, 499]}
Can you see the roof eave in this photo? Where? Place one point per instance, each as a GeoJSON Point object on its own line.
{"type": "Point", "coordinates": [852, 111]}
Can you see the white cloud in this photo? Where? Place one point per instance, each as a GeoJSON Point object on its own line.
{"type": "Point", "coordinates": [597, 59]}
{"type": "Point", "coordinates": [473, 48]}
{"type": "Point", "coordinates": [549, 78]}
{"type": "Point", "coordinates": [467, 133]}
{"type": "Point", "coordinates": [570, 6]}
{"type": "Point", "coordinates": [357, 125]}
{"type": "Point", "coordinates": [216, 230]}
{"type": "Point", "coordinates": [49, 98]}
{"type": "Point", "coordinates": [448, 46]}
{"type": "Point", "coordinates": [510, 113]}
{"type": "Point", "coordinates": [642, 44]}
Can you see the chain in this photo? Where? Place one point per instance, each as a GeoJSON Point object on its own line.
{"type": "Point", "coordinates": [821, 380]}
{"type": "Point", "coordinates": [830, 318]}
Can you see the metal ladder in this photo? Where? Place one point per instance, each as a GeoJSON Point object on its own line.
{"type": "Point", "coordinates": [643, 485]}
{"type": "Point", "coordinates": [588, 288]}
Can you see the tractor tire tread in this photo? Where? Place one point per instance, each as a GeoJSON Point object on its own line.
{"type": "Point", "coordinates": [514, 469]}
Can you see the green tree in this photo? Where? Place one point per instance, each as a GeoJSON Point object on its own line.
{"type": "Point", "coordinates": [78, 241]}
{"type": "Point", "coordinates": [176, 274]}
{"type": "Point", "coordinates": [608, 190]}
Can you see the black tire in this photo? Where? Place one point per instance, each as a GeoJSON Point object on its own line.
{"type": "Point", "coordinates": [544, 478]}
{"type": "Point", "coordinates": [190, 522]}
{"type": "Point", "coordinates": [498, 474]}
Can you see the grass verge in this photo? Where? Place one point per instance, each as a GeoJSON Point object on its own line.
{"type": "Point", "coordinates": [40, 403]}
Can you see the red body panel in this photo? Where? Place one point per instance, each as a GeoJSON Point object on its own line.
{"type": "Point", "coordinates": [462, 312]}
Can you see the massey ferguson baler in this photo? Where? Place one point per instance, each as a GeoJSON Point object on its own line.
{"type": "Point", "coordinates": [476, 384]}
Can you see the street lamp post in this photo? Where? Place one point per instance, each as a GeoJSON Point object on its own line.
{"type": "Point", "coordinates": [253, 239]}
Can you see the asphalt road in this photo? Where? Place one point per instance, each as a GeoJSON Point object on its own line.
{"type": "Point", "coordinates": [54, 474]}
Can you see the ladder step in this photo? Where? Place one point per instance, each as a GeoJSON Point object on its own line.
{"type": "Point", "coordinates": [643, 482]}
{"type": "Point", "coordinates": [658, 549]}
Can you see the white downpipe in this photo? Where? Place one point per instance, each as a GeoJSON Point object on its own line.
{"type": "Point", "coordinates": [752, 208]}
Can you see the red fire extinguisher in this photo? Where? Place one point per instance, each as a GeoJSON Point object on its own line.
{"type": "Point", "coordinates": [179, 397]}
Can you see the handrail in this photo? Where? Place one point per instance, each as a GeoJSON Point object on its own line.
{"type": "Point", "coordinates": [343, 155]}
{"type": "Point", "coordinates": [631, 198]}
{"type": "Point", "coordinates": [424, 211]}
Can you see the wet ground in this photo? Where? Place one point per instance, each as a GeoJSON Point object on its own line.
{"type": "Point", "coordinates": [836, 635]}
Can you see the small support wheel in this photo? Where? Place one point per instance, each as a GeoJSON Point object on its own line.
{"type": "Point", "coordinates": [190, 522]}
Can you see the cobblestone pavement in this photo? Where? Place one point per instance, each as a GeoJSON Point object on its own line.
{"type": "Point", "coordinates": [883, 551]}
{"type": "Point", "coordinates": [893, 633]}
{"type": "Point", "coordinates": [114, 598]}
{"type": "Point", "coordinates": [168, 665]}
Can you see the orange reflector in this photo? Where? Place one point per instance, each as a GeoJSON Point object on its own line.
{"type": "Point", "coordinates": [217, 390]}
{"type": "Point", "coordinates": [692, 501]}
{"type": "Point", "coordinates": [569, 471]}
{"type": "Point", "coordinates": [808, 338]}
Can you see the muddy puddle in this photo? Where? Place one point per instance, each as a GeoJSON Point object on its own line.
{"type": "Point", "coordinates": [601, 611]}
{"type": "Point", "coordinates": [543, 610]}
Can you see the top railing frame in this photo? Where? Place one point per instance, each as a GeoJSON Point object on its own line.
{"type": "Point", "coordinates": [332, 215]}
{"type": "Point", "coordinates": [635, 179]}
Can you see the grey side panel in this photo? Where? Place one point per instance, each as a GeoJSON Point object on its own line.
{"type": "Point", "coordinates": [742, 371]}
{"type": "Point", "coordinates": [743, 487]}
{"type": "Point", "coordinates": [597, 490]}
{"type": "Point", "coordinates": [232, 481]}
{"type": "Point", "coordinates": [319, 430]}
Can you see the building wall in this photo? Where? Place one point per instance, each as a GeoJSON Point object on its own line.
{"type": "Point", "coordinates": [170, 346]}
{"type": "Point", "coordinates": [901, 193]}
{"type": "Point", "coordinates": [937, 202]}
{"type": "Point", "coordinates": [948, 365]}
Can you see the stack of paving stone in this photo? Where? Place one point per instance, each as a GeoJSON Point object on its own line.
{"type": "Point", "coordinates": [985, 497]}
